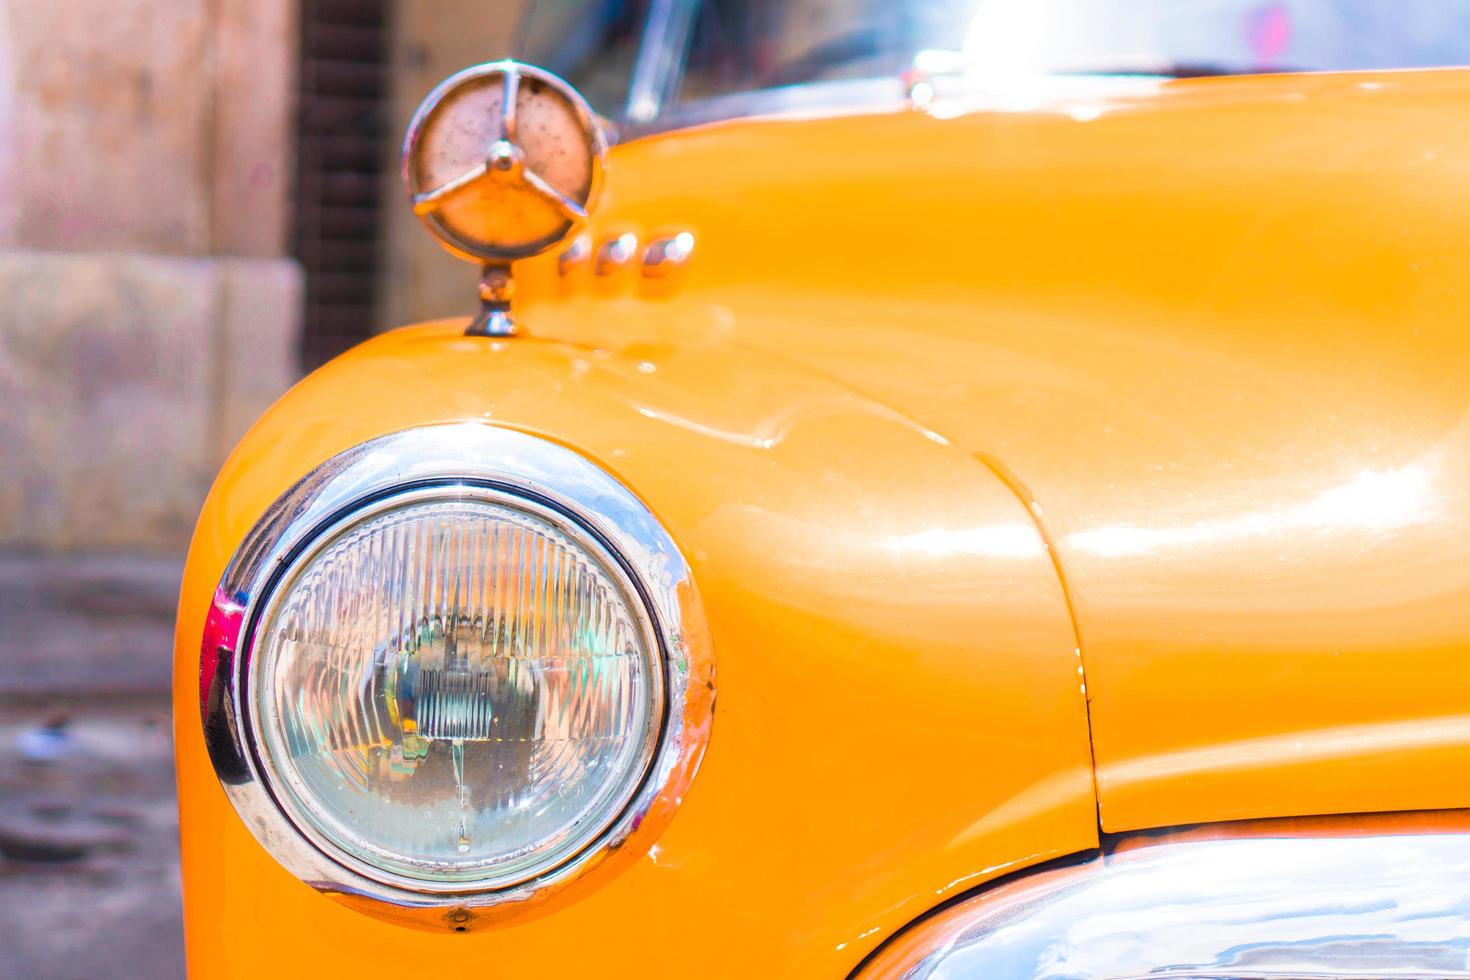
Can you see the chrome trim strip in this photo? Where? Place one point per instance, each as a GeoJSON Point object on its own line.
{"type": "Point", "coordinates": [811, 98]}
{"type": "Point", "coordinates": [1380, 905]}
{"type": "Point", "coordinates": [473, 457]}
{"type": "Point", "coordinates": [574, 255]}
{"type": "Point", "coordinates": [615, 253]}
{"type": "Point", "coordinates": [660, 64]}
{"type": "Point", "coordinates": [666, 254]}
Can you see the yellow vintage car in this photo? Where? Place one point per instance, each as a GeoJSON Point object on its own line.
{"type": "Point", "coordinates": [980, 489]}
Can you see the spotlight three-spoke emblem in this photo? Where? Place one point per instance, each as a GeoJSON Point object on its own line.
{"type": "Point", "coordinates": [503, 161]}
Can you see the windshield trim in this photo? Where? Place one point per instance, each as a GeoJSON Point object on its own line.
{"type": "Point", "coordinates": [806, 99]}
{"type": "Point", "coordinates": [659, 65]}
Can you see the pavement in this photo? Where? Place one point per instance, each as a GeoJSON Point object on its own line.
{"type": "Point", "coordinates": [89, 865]}
{"type": "Point", "coordinates": [87, 623]}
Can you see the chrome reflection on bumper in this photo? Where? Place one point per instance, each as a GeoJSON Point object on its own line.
{"type": "Point", "coordinates": [1384, 905]}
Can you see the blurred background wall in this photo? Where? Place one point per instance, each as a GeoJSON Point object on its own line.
{"type": "Point", "coordinates": [198, 202]}
{"type": "Point", "coordinates": [145, 171]}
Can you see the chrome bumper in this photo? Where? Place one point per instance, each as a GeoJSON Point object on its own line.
{"type": "Point", "coordinates": [1384, 903]}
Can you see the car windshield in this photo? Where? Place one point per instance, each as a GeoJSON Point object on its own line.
{"type": "Point", "coordinates": [639, 58]}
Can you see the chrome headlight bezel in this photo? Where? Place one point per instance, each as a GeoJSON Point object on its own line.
{"type": "Point", "coordinates": [445, 460]}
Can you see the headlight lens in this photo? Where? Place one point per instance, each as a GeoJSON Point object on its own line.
{"type": "Point", "coordinates": [458, 686]}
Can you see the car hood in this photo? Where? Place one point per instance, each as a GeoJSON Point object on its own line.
{"type": "Point", "coordinates": [1208, 334]}
{"type": "Point", "coordinates": [1215, 333]}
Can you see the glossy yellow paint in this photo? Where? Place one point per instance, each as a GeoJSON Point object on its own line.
{"type": "Point", "coordinates": [899, 710]}
{"type": "Point", "coordinates": [1217, 328]}
{"type": "Point", "coordinates": [1213, 332]}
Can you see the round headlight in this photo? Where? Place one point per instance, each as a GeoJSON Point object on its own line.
{"type": "Point", "coordinates": [455, 667]}
{"type": "Point", "coordinates": [461, 687]}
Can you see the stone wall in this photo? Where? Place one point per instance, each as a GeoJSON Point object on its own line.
{"type": "Point", "coordinates": [148, 309]}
